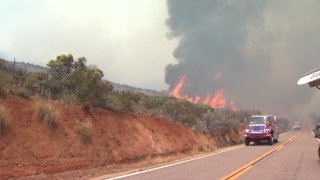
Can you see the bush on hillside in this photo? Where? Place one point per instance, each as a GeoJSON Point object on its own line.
{"type": "Point", "coordinates": [23, 92]}
{"type": "Point", "coordinates": [3, 119]}
{"type": "Point", "coordinates": [86, 107]}
{"type": "Point", "coordinates": [69, 76]}
{"type": "Point", "coordinates": [5, 82]}
{"type": "Point", "coordinates": [221, 120]}
{"type": "Point", "coordinates": [151, 102]}
{"type": "Point", "coordinates": [4, 92]}
{"type": "Point", "coordinates": [122, 101]}
{"type": "Point", "coordinates": [37, 83]}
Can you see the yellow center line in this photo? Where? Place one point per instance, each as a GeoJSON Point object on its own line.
{"type": "Point", "coordinates": [242, 172]}
{"type": "Point", "coordinates": [244, 168]}
{"type": "Point", "coordinates": [280, 148]}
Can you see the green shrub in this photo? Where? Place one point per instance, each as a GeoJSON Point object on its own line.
{"type": "Point", "coordinates": [47, 114]}
{"type": "Point", "coordinates": [119, 101]}
{"type": "Point", "coordinates": [70, 99]}
{"type": "Point", "coordinates": [23, 92]}
{"type": "Point", "coordinates": [112, 102]}
{"type": "Point", "coordinates": [100, 102]}
{"type": "Point", "coordinates": [228, 124]}
{"type": "Point", "coordinates": [3, 119]}
{"type": "Point", "coordinates": [201, 148]}
{"type": "Point", "coordinates": [180, 111]}
{"type": "Point", "coordinates": [151, 102]}
{"type": "Point", "coordinates": [37, 82]}
{"type": "Point", "coordinates": [5, 82]}
{"type": "Point", "coordinates": [127, 105]}
{"type": "Point", "coordinates": [4, 92]}
{"type": "Point", "coordinates": [83, 131]}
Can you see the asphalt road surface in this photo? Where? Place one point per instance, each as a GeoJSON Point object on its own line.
{"type": "Point", "coordinates": [294, 157]}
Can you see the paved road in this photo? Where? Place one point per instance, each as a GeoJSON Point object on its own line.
{"type": "Point", "coordinates": [296, 159]}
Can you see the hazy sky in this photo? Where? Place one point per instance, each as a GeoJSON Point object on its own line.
{"type": "Point", "coordinates": [125, 38]}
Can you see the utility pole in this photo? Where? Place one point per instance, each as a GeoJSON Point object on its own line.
{"type": "Point", "coordinates": [13, 72]}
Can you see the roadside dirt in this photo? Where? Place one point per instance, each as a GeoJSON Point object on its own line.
{"type": "Point", "coordinates": [118, 142]}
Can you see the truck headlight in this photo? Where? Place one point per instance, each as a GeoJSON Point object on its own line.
{"type": "Point", "coordinates": [267, 130]}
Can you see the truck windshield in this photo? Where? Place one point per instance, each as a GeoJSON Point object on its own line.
{"type": "Point", "coordinates": [257, 120]}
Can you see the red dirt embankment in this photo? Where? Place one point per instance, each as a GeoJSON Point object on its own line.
{"type": "Point", "coordinates": [29, 147]}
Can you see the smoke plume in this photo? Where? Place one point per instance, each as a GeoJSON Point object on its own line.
{"type": "Point", "coordinates": [254, 51]}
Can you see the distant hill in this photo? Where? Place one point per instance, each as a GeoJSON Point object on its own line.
{"type": "Point", "coordinates": [122, 87]}
{"type": "Point", "coordinates": [27, 66]}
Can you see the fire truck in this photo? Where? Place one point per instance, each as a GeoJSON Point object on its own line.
{"type": "Point", "coordinates": [261, 128]}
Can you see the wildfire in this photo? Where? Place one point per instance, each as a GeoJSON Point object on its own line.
{"type": "Point", "coordinates": [218, 100]}
{"type": "Point", "coordinates": [178, 87]}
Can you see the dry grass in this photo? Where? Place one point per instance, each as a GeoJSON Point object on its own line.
{"type": "Point", "coordinates": [83, 131]}
{"type": "Point", "coordinates": [47, 113]}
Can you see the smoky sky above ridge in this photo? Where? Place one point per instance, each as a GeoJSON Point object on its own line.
{"type": "Point", "coordinates": [261, 49]}
{"type": "Point", "coordinates": [123, 38]}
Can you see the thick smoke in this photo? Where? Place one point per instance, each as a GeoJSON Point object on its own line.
{"type": "Point", "coordinates": [261, 48]}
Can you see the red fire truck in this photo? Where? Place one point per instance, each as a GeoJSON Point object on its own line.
{"type": "Point", "coordinates": [261, 128]}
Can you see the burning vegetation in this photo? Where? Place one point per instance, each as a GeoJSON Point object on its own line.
{"type": "Point", "coordinates": [215, 100]}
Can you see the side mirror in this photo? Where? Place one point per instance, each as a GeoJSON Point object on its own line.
{"type": "Point", "coordinates": [243, 121]}
{"type": "Point", "coordinates": [275, 120]}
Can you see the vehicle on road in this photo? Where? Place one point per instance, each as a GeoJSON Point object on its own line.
{"type": "Point", "coordinates": [316, 131]}
{"type": "Point", "coordinates": [297, 126]}
{"type": "Point", "coordinates": [313, 79]}
{"type": "Point", "coordinates": [261, 128]}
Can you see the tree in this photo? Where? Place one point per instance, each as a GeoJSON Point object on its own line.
{"type": "Point", "coordinates": [75, 77]}
{"type": "Point", "coordinates": [37, 82]}
{"type": "Point", "coordinates": [62, 66]}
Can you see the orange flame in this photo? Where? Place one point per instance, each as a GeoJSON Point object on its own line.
{"type": "Point", "coordinates": [218, 100]}
{"type": "Point", "coordinates": [207, 99]}
{"type": "Point", "coordinates": [177, 88]}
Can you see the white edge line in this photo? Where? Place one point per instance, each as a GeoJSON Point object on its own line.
{"type": "Point", "coordinates": [169, 165]}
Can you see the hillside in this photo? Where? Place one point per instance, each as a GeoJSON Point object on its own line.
{"type": "Point", "coordinates": [123, 87]}
{"type": "Point", "coordinates": [117, 141]}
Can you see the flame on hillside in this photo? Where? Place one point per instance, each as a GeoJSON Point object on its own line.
{"type": "Point", "coordinates": [215, 100]}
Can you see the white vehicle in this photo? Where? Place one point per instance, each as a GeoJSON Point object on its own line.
{"type": "Point", "coordinates": [312, 78]}
{"type": "Point", "coordinates": [297, 126]}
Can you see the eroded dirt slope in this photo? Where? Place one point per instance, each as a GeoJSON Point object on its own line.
{"type": "Point", "coordinates": [29, 147]}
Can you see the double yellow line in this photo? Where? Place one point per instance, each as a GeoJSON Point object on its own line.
{"type": "Point", "coordinates": [238, 172]}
